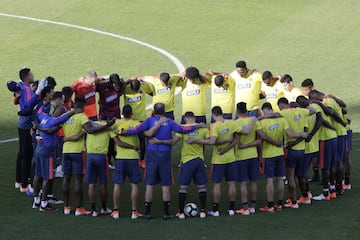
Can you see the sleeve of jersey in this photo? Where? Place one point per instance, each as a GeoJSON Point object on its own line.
{"type": "Point", "coordinates": [206, 133]}
{"type": "Point", "coordinates": [286, 124]}
{"type": "Point", "coordinates": [58, 120]}
{"type": "Point", "coordinates": [213, 131]}
{"type": "Point", "coordinates": [139, 128]}
{"type": "Point", "coordinates": [181, 129]}
{"type": "Point", "coordinates": [257, 126]}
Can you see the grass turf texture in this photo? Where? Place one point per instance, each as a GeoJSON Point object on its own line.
{"type": "Point", "coordinates": [314, 39]}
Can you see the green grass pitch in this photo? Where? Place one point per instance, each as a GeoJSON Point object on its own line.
{"type": "Point", "coordinates": [316, 39]}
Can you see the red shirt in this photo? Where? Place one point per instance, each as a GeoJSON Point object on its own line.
{"type": "Point", "coordinates": [83, 89]}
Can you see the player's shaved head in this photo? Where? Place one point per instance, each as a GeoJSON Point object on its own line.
{"type": "Point", "coordinates": [135, 85]}
{"type": "Point", "coordinates": [267, 108]}
{"type": "Point", "coordinates": [217, 111]}
{"type": "Point", "coordinates": [241, 108]}
{"type": "Point", "coordinates": [127, 111]}
{"type": "Point", "coordinates": [219, 80]}
{"type": "Point", "coordinates": [159, 109]}
{"type": "Point", "coordinates": [164, 77]}
{"type": "Point", "coordinates": [283, 103]}
{"type": "Point", "coordinates": [302, 101]}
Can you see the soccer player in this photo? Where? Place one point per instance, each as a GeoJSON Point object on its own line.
{"type": "Point", "coordinates": [273, 156]}
{"type": "Point", "coordinates": [158, 157]}
{"type": "Point", "coordinates": [347, 163]}
{"type": "Point", "coordinates": [223, 164]}
{"type": "Point", "coordinates": [67, 93]}
{"type": "Point", "coordinates": [163, 88]}
{"type": "Point", "coordinates": [223, 95]}
{"type": "Point", "coordinates": [194, 92]}
{"type": "Point", "coordinates": [192, 166]}
{"type": "Point", "coordinates": [290, 91]}
{"type": "Point", "coordinates": [307, 86]}
{"type": "Point", "coordinates": [86, 87]}
{"type": "Point", "coordinates": [248, 87]}
{"type": "Point", "coordinates": [44, 153]}
{"type": "Point", "coordinates": [272, 89]}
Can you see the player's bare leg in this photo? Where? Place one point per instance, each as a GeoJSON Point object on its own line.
{"type": "Point", "coordinates": [79, 190]}
{"type": "Point", "coordinates": [103, 195]}
{"type": "Point", "coordinates": [134, 196]}
{"type": "Point", "coordinates": [91, 193]}
{"type": "Point", "coordinates": [290, 172]}
{"type": "Point", "coordinates": [66, 189]}
{"type": "Point", "coordinates": [36, 185]}
{"type": "Point", "coordinates": [116, 196]}
{"type": "Point", "coordinates": [232, 197]}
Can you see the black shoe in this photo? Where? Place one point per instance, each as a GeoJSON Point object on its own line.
{"type": "Point", "coordinates": [147, 216]}
{"type": "Point", "coordinates": [340, 192]}
{"type": "Point", "coordinates": [168, 217]}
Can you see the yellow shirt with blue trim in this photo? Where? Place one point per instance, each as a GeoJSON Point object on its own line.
{"type": "Point", "coordinates": [273, 93]}
{"type": "Point", "coordinates": [71, 127]}
{"type": "Point", "coordinates": [250, 152]}
{"type": "Point", "coordinates": [223, 96]}
{"type": "Point", "coordinates": [193, 97]}
{"type": "Point", "coordinates": [275, 129]}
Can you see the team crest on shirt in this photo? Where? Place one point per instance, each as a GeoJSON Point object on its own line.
{"type": "Point", "coordinates": [271, 95]}
{"type": "Point", "coordinates": [224, 131]}
{"type": "Point", "coordinates": [297, 117]}
{"type": "Point", "coordinates": [134, 99]}
{"type": "Point", "coordinates": [89, 95]}
{"type": "Point", "coordinates": [274, 126]}
{"type": "Point", "coordinates": [70, 121]}
{"type": "Point", "coordinates": [193, 134]}
{"type": "Point", "coordinates": [221, 90]}
{"type": "Point", "coordinates": [164, 90]}
{"type": "Point", "coordinates": [243, 85]}
{"type": "Point", "coordinates": [193, 92]}
{"type": "Point", "coordinates": [111, 98]}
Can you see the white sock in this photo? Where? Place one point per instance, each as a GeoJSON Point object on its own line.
{"type": "Point", "coordinates": [44, 204]}
{"type": "Point", "coordinates": [37, 200]}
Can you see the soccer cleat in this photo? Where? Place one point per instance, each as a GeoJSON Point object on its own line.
{"type": "Point", "coordinates": [333, 195]}
{"type": "Point", "coordinates": [81, 212]}
{"type": "Point", "coordinates": [340, 192]}
{"type": "Point", "coordinates": [309, 194]}
{"type": "Point", "coordinates": [35, 205]}
{"type": "Point", "coordinates": [67, 210]}
{"type": "Point", "coordinates": [202, 214]}
{"type": "Point", "coordinates": [115, 214]}
{"type": "Point", "coordinates": [242, 211]}
{"type": "Point", "coordinates": [48, 208]}
{"type": "Point", "coordinates": [213, 214]}
{"type": "Point", "coordinates": [292, 205]}
{"type": "Point", "coordinates": [167, 217]}
{"type": "Point", "coordinates": [142, 164]}
{"type": "Point", "coordinates": [94, 213]}
{"type": "Point", "coordinates": [304, 200]}
{"type": "Point", "coordinates": [252, 210]}
{"type": "Point", "coordinates": [322, 197]}
{"type": "Point", "coordinates": [346, 186]}
{"type": "Point", "coordinates": [25, 189]}
{"type": "Point", "coordinates": [135, 215]}
{"type": "Point", "coordinates": [266, 208]}
{"type": "Point", "coordinates": [230, 212]}
{"type": "Point", "coordinates": [54, 200]}
{"type": "Point", "coordinates": [111, 167]}
{"type": "Point", "coordinates": [278, 208]}
{"type": "Point", "coordinates": [180, 215]}
{"type": "Point", "coordinates": [17, 185]}
{"type": "Point", "coordinates": [30, 192]}
{"type": "Point", "coordinates": [105, 211]}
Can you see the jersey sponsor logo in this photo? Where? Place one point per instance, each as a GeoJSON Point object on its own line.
{"type": "Point", "coordinates": [111, 98]}
{"type": "Point", "coordinates": [134, 99]}
{"type": "Point", "coordinates": [164, 90]}
{"type": "Point", "coordinates": [224, 131]}
{"type": "Point", "coordinates": [297, 117]}
{"type": "Point", "coordinates": [193, 134]}
{"type": "Point", "coordinates": [271, 95]}
{"type": "Point", "coordinates": [221, 90]}
{"type": "Point", "coordinates": [89, 95]}
{"type": "Point", "coordinates": [70, 121]}
{"type": "Point", "coordinates": [193, 92]}
{"type": "Point", "coordinates": [243, 85]}
{"type": "Point", "coordinates": [274, 126]}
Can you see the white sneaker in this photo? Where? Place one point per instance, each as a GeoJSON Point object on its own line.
{"type": "Point", "coordinates": [111, 167]}
{"type": "Point", "coordinates": [35, 205]}
{"type": "Point", "coordinates": [202, 215]}
{"type": "Point", "coordinates": [231, 212]}
{"type": "Point", "coordinates": [321, 197]}
{"type": "Point", "coordinates": [213, 214]}
{"type": "Point", "coordinates": [58, 172]}
{"type": "Point", "coordinates": [115, 214]}
{"type": "Point", "coordinates": [106, 211]}
{"type": "Point", "coordinates": [67, 210]}
{"type": "Point", "coordinates": [94, 213]}
{"type": "Point", "coordinates": [181, 215]}
{"type": "Point", "coordinates": [252, 210]}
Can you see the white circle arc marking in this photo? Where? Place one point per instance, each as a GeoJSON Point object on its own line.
{"type": "Point", "coordinates": [172, 58]}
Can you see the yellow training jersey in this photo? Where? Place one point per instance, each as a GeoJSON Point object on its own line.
{"type": "Point", "coordinates": [275, 129]}
{"type": "Point", "coordinates": [165, 93]}
{"type": "Point", "coordinates": [296, 117]}
{"type": "Point", "coordinates": [222, 130]}
{"type": "Point", "coordinates": [126, 153]}
{"type": "Point", "coordinates": [247, 89]}
{"type": "Point", "coordinates": [273, 93]}
{"type": "Point", "coordinates": [192, 151]}
{"type": "Point", "coordinates": [137, 101]}
{"type": "Point", "coordinates": [223, 96]}
{"type": "Point", "coordinates": [313, 145]}
{"type": "Point", "coordinates": [98, 142]}
{"type": "Point", "coordinates": [250, 152]}
{"type": "Point", "coordinates": [340, 129]}
{"type": "Point", "coordinates": [71, 127]}
{"type": "Point", "coordinates": [293, 94]}
{"type": "Point", "coordinates": [193, 98]}
{"type": "Point", "coordinates": [324, 132]}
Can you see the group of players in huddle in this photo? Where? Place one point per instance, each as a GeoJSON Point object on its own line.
{"type": "Point", "coordinates": [293, 129]}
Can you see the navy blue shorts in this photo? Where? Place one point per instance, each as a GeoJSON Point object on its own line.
{"type": "Point", "coordinates": [158, 168]}
{"type": "Point", "coordinates": [44, 162]}
{"type": "Point", "coordinates": [349, 140]}
{"type": "Point", "coordinates": [73, 163]}
{"type": "Point", "coordinates": [227, 116]}
{"type": "Point", "coordinates": [198, 119]}
{"type": "Point", "coordinates": [327, 153]}
{"type": "Point", "coordinates": [248, 170]}
{"type": "Point", "coordinates": [96, 168]}
{"type": "Point", "coordinates": [294, 158]}
{"type": "Point", "coordinates": [219, 171]}
{"type": "Point", "coordinates": [274, 167]}
{"type": "Point", "coordinates": [305, 165]}
{"type": "Point", "coordinates": [341, 148]}
{"type": "Point", "coordinates": [126, 167]}
{"type": "Point", "coordinates": [193, 169]}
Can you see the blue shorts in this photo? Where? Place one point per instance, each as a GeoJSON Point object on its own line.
{"type": "Point", "coordinates": [44, 162]}
{"type": "Point", "coordinates": [93, 118]}
{"type": "Point", "coordinates": [96, 168]}
{"type": "Point", "coordinates": [73, 163]}
{"type": "Point", "coordinates": [158, 168]}
{"type": "Point", "coordinates": [248, 169]}
{"type": "Point", "coordinates": [219, 171]}
{"type": "Point", "coordinates": [227, 116]}
{"type": "Point", "coordinates": [349, 140]}
{"type": "Point", "coordinates": [274, 167]}
{"type": "Point", "coordinates": [327, 153]}
{"type": "Point", "coordinates": [126, 167]}
{"type": "Point", "coordinates": [305, 165]}
{"type": "Point", "coordinates": [294, 158]}
{"type": "Point", "coordinates": [341, 148]}
{"type": "Point", "coordinates": [198, 119]}
{"type": "Point", "coordinates": [193, 169]}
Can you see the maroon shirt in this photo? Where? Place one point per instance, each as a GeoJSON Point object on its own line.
{"type": "Point", "coordinates": [109, 102]}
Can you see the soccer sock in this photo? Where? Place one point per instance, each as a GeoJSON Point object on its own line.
{"type": "Point", "coordinates": [202, 198]}
{"type": "Point", "coordinates": [215, 207]}
{"type": "Point", "coordinates": [347, 179]}
{"type": "Point", "coordinates": [307, 187]}
{"type": "Point", "coordinates": [44, 204]}
{"type": "Point", "coordinates": [50, 195]}
{"type": "Point", "coordinates": [326, 192]}
{"type": "Point", "coordinates": [147, 208]}
{"type": "Point", "coordinates": [103, 205]}
{"type": "Point", "coordinates": [93, 207]}
{"type": "Point", "coordinates": [253, 204]}
{"type": "Point", "coordinates": [332, 188]}
{"type": "Point", "coordinates": [279, 202]}
{"type": "Point", "coordinates": [245, 206]}
{"type": "Point", "coordinates": [182, 198]}
{"type": "Point", "coordinates": [37, 200]}
{"type": "Point", "coordinates": [166, 207]}
{"type": "Point", "coordinates": [304, 193]}
{"type": "Point", "coordinates": [231, 205]}
{"type": "Point", "coordinates": [270, 204]}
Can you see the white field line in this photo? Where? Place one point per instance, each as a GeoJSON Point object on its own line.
{"type": "Point", "coordinates": [171, 57]}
